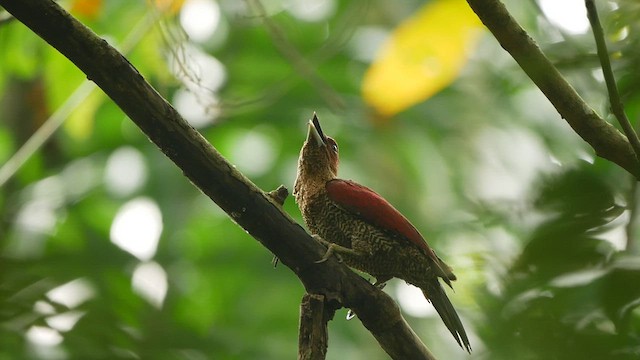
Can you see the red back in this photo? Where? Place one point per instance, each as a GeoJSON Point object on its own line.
{"type": "Point", "coordinates": [373, 209]}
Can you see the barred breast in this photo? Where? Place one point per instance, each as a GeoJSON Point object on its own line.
{"type": "Point", "coordinates": [383, 255]}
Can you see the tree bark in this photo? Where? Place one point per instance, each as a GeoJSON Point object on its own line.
{"type": "Point", "coordinates": [313, 335]}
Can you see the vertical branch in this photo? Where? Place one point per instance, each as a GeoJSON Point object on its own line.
{"type": "Point", "coordinates": [614, 96]}
{"type": "Point", "coordinates": [313, 336]}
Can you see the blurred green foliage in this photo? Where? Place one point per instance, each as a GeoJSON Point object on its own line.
{"type": "Point", "coordinates": [542, 234]}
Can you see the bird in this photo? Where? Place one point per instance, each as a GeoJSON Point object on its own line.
{"type": "Point", "coordinates": [365, 231]}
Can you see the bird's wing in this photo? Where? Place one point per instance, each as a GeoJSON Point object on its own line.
{"type": "Point", "coordinates": [372, 208]}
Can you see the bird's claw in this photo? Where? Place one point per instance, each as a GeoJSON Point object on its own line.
{"type": "Point", "coordinates": [328, 254]}
{"type": "Point", "coordinates": [319, 239]}
{"type": "Point", "coordinates": [380, 285]}
{"type": "Point", "coordinates": [330, 249]}
{"type": "Point", "coordinates": [350, 314]}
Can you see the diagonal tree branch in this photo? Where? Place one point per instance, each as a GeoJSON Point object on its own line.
{"type": "Point", "coordinates": [603, 137]}
{"type": "Point", "coordinates": [251, 208]}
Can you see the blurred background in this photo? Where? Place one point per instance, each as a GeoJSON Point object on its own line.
{"type": "Point", "coordinates": [108, 252]}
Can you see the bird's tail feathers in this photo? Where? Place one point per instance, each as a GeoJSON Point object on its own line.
{"type": "Point", "coordinates": [434, 292]}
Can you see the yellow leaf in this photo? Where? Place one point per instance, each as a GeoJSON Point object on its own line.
{"type": "Point", "coordinates": [87, 8]}
{"type": "Point", "coordinates": [170, 6]}
{"type": "Point", "coordinates": [423, 55]}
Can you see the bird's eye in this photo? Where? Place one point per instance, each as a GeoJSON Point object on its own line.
{"type": "Point", "coordinates": [334, 147]}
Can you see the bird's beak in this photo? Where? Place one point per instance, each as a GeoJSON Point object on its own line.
{"type": "Point", "coordinates": [315, 132]}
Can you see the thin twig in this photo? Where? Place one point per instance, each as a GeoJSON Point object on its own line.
{"type": "Point", "coordinates": [53, 123]}
{"type": "Point", "coordinates": [44, 132]}
{"type": "Point", "coordinates": [614, 96]}
{"type": "Point", "coordinates": [299, 62]}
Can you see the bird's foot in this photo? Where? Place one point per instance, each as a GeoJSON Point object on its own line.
{"type": "Point", "coordinates": [334, 249]}
{"type": "Point", "coordinates": [330, 249]}
{"type": "Point", "coordinates": [322, 241]}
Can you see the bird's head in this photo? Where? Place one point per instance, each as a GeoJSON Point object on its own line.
{"type": "Point", "coordinates": [319, 154]}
